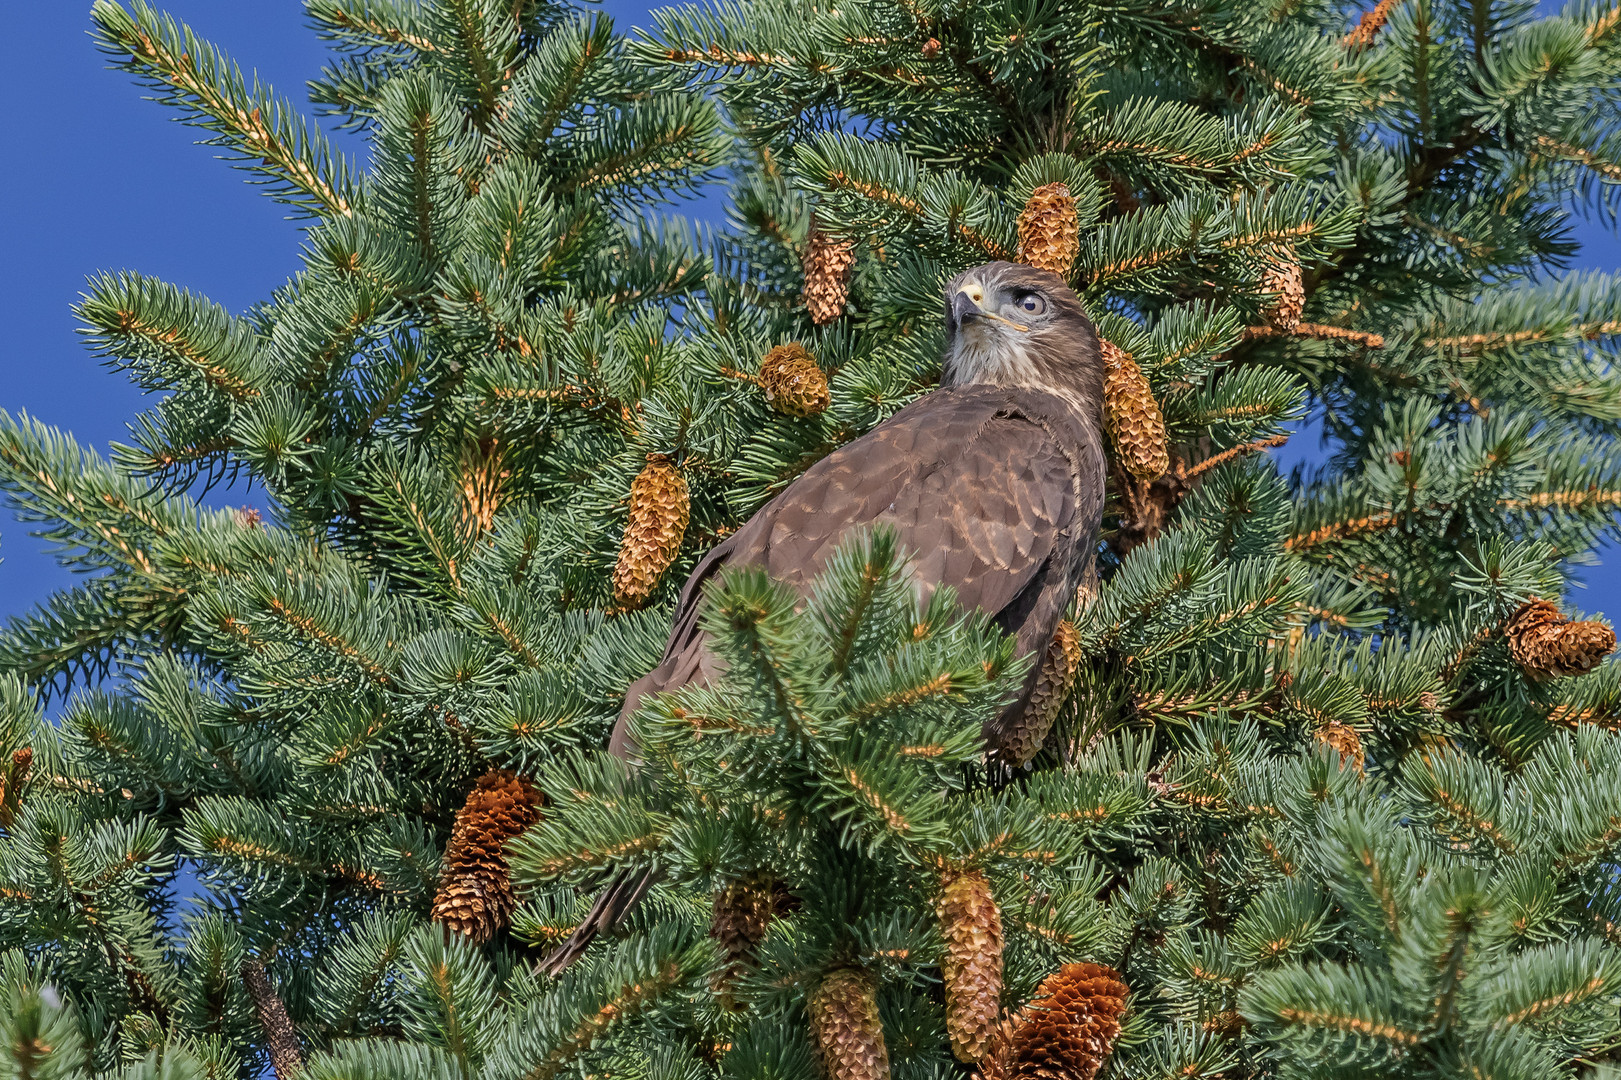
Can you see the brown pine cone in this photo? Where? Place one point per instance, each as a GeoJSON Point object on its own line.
{"type": "Point", "coordinates": [1344, 739]}
{"type": "Point", "coordinates": [659, 511]}
{"type": "Point", "coordinates": [742, 912]}
{"type": "Point", "coordinates": [971, 925]}
{"type": "Point", "coordinates": [475, 892]}
{"type": "Point", "coordinates": [1283, 278]}
{"type": "Point", "coordinates": [1132, 416]}
{"type": "Point", "coordinates": [1067, 1032]}
{"type": "Point", "coordinates": [1018, 742]}
{"type": "Point", "coordinates": [793, 384]}
{"type": "Point", "coordinates": [845, 1028]}
{"type": "Point", "coordinates": [1049, 232]}
{"type": "Point", "coordinates": [1547, 645]}
{"type": "Point", "coordinates": [828, 263]}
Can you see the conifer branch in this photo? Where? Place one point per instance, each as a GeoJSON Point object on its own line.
{"type": "Point", "coordinates": [167, 334]}
{"type": "Point", "coordinates": [1564, 151]}
{"type": "Point", "coordinates": [1350, 1023]}
{"type": "Point", "coordinates": [1341, 530]}
{"type": "Point", "coordinates": [553, 92]}
{"type": "Point", "coordinates": [488, 72]}
{"type": "Point", "coordinates": [286, 1055]}
{"type": "Point", "coordinates": [1321, 333]}
{"type": "Point", "coordinates": [197, 78]}
{"type": "Point", "coordinates": [1569, 715]}
{"type": "Point", "coordinates": [1216, 461]}
{"type": "Point", "coordinates": [631, 1000]}
{"type": "Point", "coordinates": [1599, 30]}
{"type": "Point", "coordinates": [365, 25]}
{"type": "Point", "coordinates": [839, 180]}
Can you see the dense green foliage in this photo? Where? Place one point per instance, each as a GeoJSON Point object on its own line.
{"type": "Point", "coordinates": [496, 324]}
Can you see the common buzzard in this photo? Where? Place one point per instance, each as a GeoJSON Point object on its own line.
{"type": "Point", "coordinates": [993, 483]}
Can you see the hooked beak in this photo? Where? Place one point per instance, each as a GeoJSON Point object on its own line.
{"type": "Point", "coordinates": [963, 309]}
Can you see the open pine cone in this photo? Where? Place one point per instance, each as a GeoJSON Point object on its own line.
{"type": "Point", "coordinates": [1344, 739]}
{"type": "Point", "coordinates": [1283, 278]}
{"type": "Point", "coordinates": [1049, 232]}
{"type": "Point", "coordinates": [971, 924]}
{"type": "Point", "coordinates": [475, 892]}
{"type": "Point", "coordinates": [659, 511]}
{"type": "Point", "coordinates": [1547, 645]}
{"type": "Point", "coordinates": [1132, 416]}
{"type": "Point", "coordinates": [1066, 1033]}
{"type": "Point", "coordinates": [792, 382]}
{"type": "Point", "coordinates": [845, 1028]}
{"type": "Point", "coordinates": [828, 263]}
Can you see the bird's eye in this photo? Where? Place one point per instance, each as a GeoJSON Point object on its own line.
{"type": "Point", "coordinates": [1032, 303]}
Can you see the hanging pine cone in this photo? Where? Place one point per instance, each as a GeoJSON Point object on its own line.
{"type": "Point", "coordinates": [1049, 232]}
{"type": "Point", "coordinates": [659, 510]}
{"type": "Point", "coordinates": [971, 925]}
{"type": "Point", "coordinates": [475, 892]}
{"type": "Point", "coordinates": [792, 382]}
{"type": "Point", "coordinates": [1344, 739]}
{"type": "Point", "coordinates": [1067, 1032]}
{"type": "Point", "coordinates": [1283, 278]}
{"type": "Point", "coordinates": [845, 1029]}
{"type": "Point", "coordinates": [828, 263]}
{"type": "Point", "coordinates": [1132, 416]}
{"type": "Point", "coordinates": [1018, 742]}
{"type": "Point", "coordinates": [742, 911]}
{"type": "Point", "coordinates": [1547, 645]}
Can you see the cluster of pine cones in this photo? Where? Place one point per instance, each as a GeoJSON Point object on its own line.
{"type": "Point", "coordinates": [792, 383]}
{"type": "Point", "coordinates": [1548, 645]}
{"type": "Point", "coordinates": [1050, 239]}
{"type": "Point", "coordinates": [1066, 1033]}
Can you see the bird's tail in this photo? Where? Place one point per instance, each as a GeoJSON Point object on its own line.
{"type": "Point", "coordinates": [617, 901]}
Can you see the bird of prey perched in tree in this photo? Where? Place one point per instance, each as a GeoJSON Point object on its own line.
{"type": "Point", "coordinates": [993, 483]}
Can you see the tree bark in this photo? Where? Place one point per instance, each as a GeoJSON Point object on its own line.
{"type": "Point", "coordinates": [286, 1057]}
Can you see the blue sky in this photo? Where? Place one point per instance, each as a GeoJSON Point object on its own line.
{"type": "Point", "coordinates": [98, 179]}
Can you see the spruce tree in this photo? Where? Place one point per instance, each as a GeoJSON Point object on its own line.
{"type": "Point", "coordinates": [1324, 781]}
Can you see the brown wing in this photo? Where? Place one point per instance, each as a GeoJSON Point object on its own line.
{"type": "Point", "coordinates": [979, 492]}
{"type": "Point", "coordinates": [977, 497]}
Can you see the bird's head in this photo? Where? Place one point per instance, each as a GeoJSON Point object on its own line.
{"type": "Point", "coordinates": [1012, 325]}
